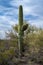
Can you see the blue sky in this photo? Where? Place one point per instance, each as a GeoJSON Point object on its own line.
{"type": "Point", "coordinates": [32, 11]}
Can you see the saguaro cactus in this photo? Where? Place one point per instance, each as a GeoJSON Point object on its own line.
{"type": "Point", "coordinates": [20, 32]}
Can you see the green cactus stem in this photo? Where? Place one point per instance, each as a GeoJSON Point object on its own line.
{"type": "Point", "coordinates": [20, 32]}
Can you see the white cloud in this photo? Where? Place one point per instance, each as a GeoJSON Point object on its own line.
{"type": "Point", "coordinates": [2, 34]}
{"type": "Point", "coordinates": [6, 20]}
{"type": "Point", "coordinates": [37, 23]}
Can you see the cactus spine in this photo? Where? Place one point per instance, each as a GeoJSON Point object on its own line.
{"type": "Point", "coordinates": [20, 32]}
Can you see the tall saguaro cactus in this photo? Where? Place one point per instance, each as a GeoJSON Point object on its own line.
{"type": "Point", "coordinates": [20, 32]}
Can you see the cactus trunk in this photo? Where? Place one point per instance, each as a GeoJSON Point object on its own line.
{"type": "Point", "coordinates": [20, 32]}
